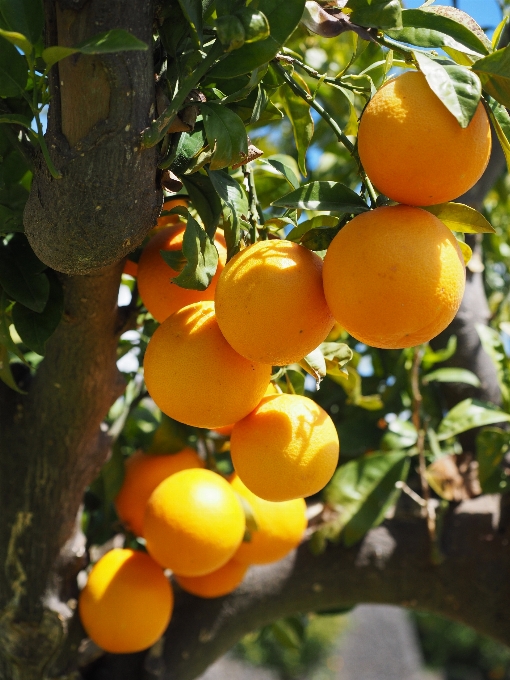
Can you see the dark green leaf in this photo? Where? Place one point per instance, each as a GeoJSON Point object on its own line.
{"type": "Point", "coordinates": [226, 135]}
{"type": "Point", "coordinates": [115, 40]}
{"type": "Point", "coordinates": [460, 217]}
{"type": "Point", "coordinates": [282, 164]}
{"type": "Point", "coordinates": [431, 357]}
{"type": "Point", "coordinates": [201, 258]}
{"type": "Point", "coordinates": [320, 221]}
{"type": "Point", "coordinates": [459, 375]}
{"type": "Point", "coordinates": [230, 32]}
{"type": "Point", "coordinates": [468, 414]}
{"type": "Point", "coordinates": [283, 18]}
{"type": "Point", "coordinates": [330, 196]}
{"type": "Point", "coordinates": [236, 203]}
{"type": "Point", "coordinates": [292, 382]}
{"type": "Point", "coordinates": [365, 490]}
{"type": "Point", "coordinates": [10, 220]}
{"type": "Point", "coordinates": [36, 328]}
{"type": "Point", "coordinates": [15, 119]}
{"type": "Point", "coordinates": [376, 13]}
{"type": "Point", "coordinates": [13, 70]}
{"type": "Point", "coordinates": [456, 86]}
{"type": "Point", "coordinates": [255, 24]}
{"type": "Point", "coordinates": [174, 258]}
{"type": "Point", "coordinates": [426, 29]}
{"type": "Point", "coordinates": [205, 200]}
{"type": "Point", "coordinates": [318, 239]}
{"type": "Point", "coordinates": [188, 146]}
{"type": "Point", "coordinates": [491, 446]}
{"type": "Point", "coordinates": [22, 274]}
{"type": "Point", "coordinates": [192, 10]}
{"type": "Point", "coordinates": [23, 16]}
{"type": "Point", "coordinates": [285, 635]}
{"type": "Point", "coordinates": [494, 72]}
{"type": "Point", "coordinates": [5, 370]}
{"type": "Point", "coordinates": [300, 116]}
{"type": "Point", "coordinates": [492, 344]}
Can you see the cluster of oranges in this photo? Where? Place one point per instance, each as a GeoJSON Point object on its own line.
{"type": "Point", "coordinates": [393, 277]}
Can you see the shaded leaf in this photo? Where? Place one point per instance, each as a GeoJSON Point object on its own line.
{"type": "Point", "coordinates": [466, 251]}
{"type": "Point", "coordinates": [205, 200]}
{"type": "Point", "coordinates": [448, 375]}
{"type": "Point", "coordinates": [328, 196]}
{"type": "Point", "coordinates": [284, 165]}
{"type": "Point", "coordinates": [501, 121]}
{"type": "Point", "coordinates": [462, 218]}
{"type": "Point", "coordinates": [283, 17]}
{"type": "Point", "coordinates": [292, 382]}
{"type": "Point", "coordinates": [5, 370]}
{"type": "Point", "coordinates": [23, 16]}
{"type": "Point", "coordinates": [494, 347]}
{"type": "Point", "coordinates": [10, 220]}
{"type": "Point", "coordinates": [22, 274]}
{"type": "Point", "coordinates": [18, 40]}
{"type": "Point", "coordinates": [494, 72]}
{"type": "Point", "coordinates": [235, 201]}
{"type": "Point", "coordinates": [230, 32]}
{"type": "Point", "coordinates": [468, 414]}
{"type": "Point", "coordinates": [226, 135]}
{"type": "Point", "coordinates": [432, 357]}
{"type": "Point", "coordinates": [491, 446]}
{"type": "Point", "coordinates": [365, 490]}
{"type": "Point", "coordinates": [319, 238]}
{"type": "Point", "coordinates": [255, 24]}
{"type": "Point", "coordinates": [36, 328]}
{"type": "Point", "coordinates": [192, 10]}
{"type": "Point", "coordinates": [456, 86]}
{"type": "Point", "coordinates": [13, 70]}
{"type": "Point", "coordinates": [115, 40]}
{"type": "Point", "coordinates": [201, 258]}
{"type": "Point", "coordinates": [380, 14]}
{"type": "Point", "coordinates": [300, 116]}
{"type": "Point", "coordinates": [316, 222]}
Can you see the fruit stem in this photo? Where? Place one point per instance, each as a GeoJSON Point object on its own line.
{"type": "Point", "coordinates": [362, 91]}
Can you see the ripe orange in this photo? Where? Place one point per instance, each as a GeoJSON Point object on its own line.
{"type": "Point", "coordinates": [285, 448]}
{"type": "Point", "coordinates": [143, 473]}
{"type": "Point", "coordinates": [280, 527]}
{"type": "Point", "coordinates": [193, 522]}
{"type": "Point", "coordinates": [226, 430]}
{"type": "Point", "coordinates": [195, 376]}
{"type": "Point", "coordinates": [163, 220]}
{"type": "Point", "coordinates": [270, 303]}
{"type": "Point", "coordinates": [394, 277]}
{"type": "Point", "coordinates": [127, 602]}
{"type": "Point", "coordinates": [160, 296]}
{"type": "Point", "coordinates": [130, 268]}
{"type": "Point", "coordinates": [413, 148]}
{"type": "Point", "coordinates": [217, 583]}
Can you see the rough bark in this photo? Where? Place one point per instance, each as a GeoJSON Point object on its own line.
{"type": "Point", "coordinates": [107, 198]}
{"type": "Point", "coordinates": [391, 565]}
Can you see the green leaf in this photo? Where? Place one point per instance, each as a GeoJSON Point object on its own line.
{"type": "Point", "coordinates": [235, 201]}
{"type": "Point", "coordinates": [316, 222]}
{"type": "Point", "coordinates": [401, 434]}
{"type": "Point", "coordinates": [285, 635]}
{"type": "Point", "coordinates": [498, 32]}
{"type": "Point", "coordinates": [432, 357]}
{"type": "Point", "coordinates": [283, 17]}
{"type": "Point", "coordinates": [300, 116]}
{"type": "Point", "coordinates": [292, 382]}
{"type": "Point", "coordinates": [380, 14]}
{"type": "Point", "coordinates": [226, 135]}
{"type": "Point", "coordinates": [5, 370]}
{"type": "Point", "coordinates": [116, 40]}
{"type": "Point", "coordinates": [18, 40]}
{"type": "Point", "coordinates": [491, 446]}
{"type": "Point", "coordinates": [22, 274]}
{"type": "Point", "coordinates": [13, 71]}
{"type": "Point", "coordinates": [468, 414]}
{"type": "Point", "coordinates": [201, 258]}
{"type": "Point", "coordinates": [36, 328]}
{"type": "Point", "coordinates": [205, 200]}
{"type": "Point", "coordinates": [466, 251]}
{"type": "Point", "coordinates": [494, 72]}
{"type": "Point", "coordinates": [452, 375]}
{"type": "Point", "coordinates": [10, 220]}
{"type": "Point", "coordinates": [319, 238]}
{"type": "Point", "coordinates": [493, 346]}
{"type": "Point", "coordinates": [456, 86]}
{"type": "Point", "coordinates": [188, 147]}
{"type": "Point", "coordinates": [284, 165]}
{"type": "Point", "coordinates": [23, 16]}
{"type": "Point", "coordinates": [426, 29]}
{"type": "Point", "coordinates": [365, 490]}
{"type": "Point", "coordinates": [330, 196]}
{"type": "Point", "coordinates": [255, 24]}
{"type": "Point", "coordinates": [192, 10]}
{"type": "Point", "coordinates": [336, 355]}
{"type": "Point", "coordinates": [314, 364]}
{"type": "Point", "coordinates": [460, 217]}
{"type": "Point", "coordinates": [15, 119]}
{"type": "Point", "coordinates": [501, 122]}
{"type": "Point", "coordinates": [230, 32]}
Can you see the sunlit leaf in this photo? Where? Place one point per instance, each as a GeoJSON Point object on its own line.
{"type": "Point", "coordinates": [468, 414]}
{"type": "Point", "coordinates": [449, 375]}
{"type": "Point", "coordinates": [226, 135]}
{"type": "Point", "coordinates": [462, 218]}
{"type": "Point", "coordinates": [201, 258]}
{"type": "Point", "coordinates": [328, 196]}
{"type": "Point", "coordinates": [494, 72]}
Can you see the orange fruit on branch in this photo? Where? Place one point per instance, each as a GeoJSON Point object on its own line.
{"type": "Point", "coordinates": [394, 277]}
{"type": "Point", "coordinates": [143, 473]}
{"type": "Point", "coordinates": [127, 602]}
{"type": "Point", "coordinates": [194, 522]}
{"type": "Point", "coordinates": [270, 302]}
{"type": "Point", "coordinates": [414, 150]}
{"type": "Point", "coordinates": [285, 448]}
{"type": "Point", "coordinates": [217, 583]}
{"type": "Point", "coordinates": [195, 376]}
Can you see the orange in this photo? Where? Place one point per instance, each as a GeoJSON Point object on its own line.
{"type": "Point", "coordinates": [280, 527]}
{"type": "Point", "coordinates": [163, 220]}
{"type": "Point", "coordinates": [160, 296]}
{"type": "Point", "coordinates": [394, 277]}
{"type": "Point", "coordinates": [270, 303]}
{"type": "Point", "coordinates": [413, 148]}
{"type": "Point", "coordinates": [195, 376]}
{"type": "Point", "coordinates": [142, 475]}
{"type": "Point", "coordinates": [193, 522]}
{"type": "Point", "coordinates": [285, 448]}
{"type": "Point", "coordinates": [217, 583]}
{"type": "Point", "coordinates": [226, 430]}
{"type": "Point", "coordinates": [130, 268]}
{"type": "Point", "coordinates": [127, 602]}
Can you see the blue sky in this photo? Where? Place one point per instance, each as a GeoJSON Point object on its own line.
{"type": "Point", "coordinates": [486, 12]}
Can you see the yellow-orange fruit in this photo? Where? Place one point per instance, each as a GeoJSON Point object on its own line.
{"type": "Point", "coordinates": [226, 431]}
{"type": "Point", "coordinates": [413, 148]}
{"type": "Point", "coordinates": [270, 303]}
{"type": "Point", "coordinates": [193, 522]}
{"type": "Point", "coordinates": [127, 602]}
{"type": "Point", "coordinates": [394, 277]}
{"type": "Point", "coordinates": [280, 527]}
{"type": "Point", "coordinates": [217, 583]}
{"type": "Point", "coordinates": [195, 376]}
{"type": "Point", "coordinates": [285, 448]}
{"type": "Point", "coordinates": [160, 296]}
{"type": "Point", "coordinates": [143, 473]}
{"type": "Point", "coordinates": [130, 268]}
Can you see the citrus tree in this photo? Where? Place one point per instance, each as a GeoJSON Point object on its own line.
{"type": "Point", "coordinates": [289, 140]}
